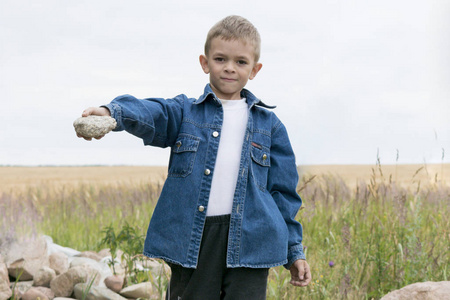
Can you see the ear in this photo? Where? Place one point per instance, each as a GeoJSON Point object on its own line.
{"type": "Point", "coordinates": [204, 63]}
{"type": "Point", "coordinates": [255, 70]}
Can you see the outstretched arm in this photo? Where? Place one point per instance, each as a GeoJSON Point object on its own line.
{"type": "Point", "coordinates": [156, 121]}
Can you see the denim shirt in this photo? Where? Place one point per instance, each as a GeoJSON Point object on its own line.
{"type": "Point", "coordinates": [263, 231]}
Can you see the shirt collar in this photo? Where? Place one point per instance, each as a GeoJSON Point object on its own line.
{"type": "Point", "coordinates": [251, 99]}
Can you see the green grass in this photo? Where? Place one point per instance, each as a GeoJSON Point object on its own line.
{"type": "Point", "coordinates": [380, 236]}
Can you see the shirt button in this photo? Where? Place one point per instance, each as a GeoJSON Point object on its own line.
{"type": "Point", "coordinates": [215, 134]}
{"type": "Point", "coordinates": [201, 208]}
{"type": "Point", "coordinates": [264, 156]}
{"type": "Point", "coordinates": [207, 172]}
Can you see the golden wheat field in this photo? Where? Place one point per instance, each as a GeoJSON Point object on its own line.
{"type": "Point", "coordinates": [368, 229]}
{"type": "Point", "coordinates": [19, 178]}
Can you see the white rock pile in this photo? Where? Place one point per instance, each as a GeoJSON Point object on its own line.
{"type": "Point", "coordinates": [40, 269]}
{"type": "Point", "coordinates": [47, 271]}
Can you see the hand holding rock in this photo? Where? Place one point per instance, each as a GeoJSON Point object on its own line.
{"type": "Point", "coordinates": [93, 126]}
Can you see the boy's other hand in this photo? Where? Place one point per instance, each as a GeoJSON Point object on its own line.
{"type": "Point", "coordinates": [94, 111]}
{"type": "Point", "coordinates": [300, 273]}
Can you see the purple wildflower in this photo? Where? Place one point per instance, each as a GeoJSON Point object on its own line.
{"type": "Point", "coordinates": [331, 263]}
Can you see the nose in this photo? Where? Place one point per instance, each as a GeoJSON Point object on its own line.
{"type": "Point", "coordinates": [229, 67]}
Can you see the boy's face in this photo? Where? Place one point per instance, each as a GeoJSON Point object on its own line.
{"type": "Point", "coordinates": [230, 64]}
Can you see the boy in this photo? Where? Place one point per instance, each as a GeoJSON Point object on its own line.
{"type": "Point", "coordinates": [227, 210]}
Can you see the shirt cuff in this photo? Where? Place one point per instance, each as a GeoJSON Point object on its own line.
{"type": "Point", "coordinates": [294, 253]}
{"type": "Point", "coordinates": [116, 113]}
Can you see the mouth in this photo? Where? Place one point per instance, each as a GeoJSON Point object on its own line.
{"type": "Point", "coordinates": [228, 79]}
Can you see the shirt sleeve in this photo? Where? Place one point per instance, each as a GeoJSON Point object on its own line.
{"type": "Point", "coordinates": [282, 184]}
{"type": "Point", "coordinates": [156, 121]}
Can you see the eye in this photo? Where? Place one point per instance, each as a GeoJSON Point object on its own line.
{"type": "Point", "coordinates": [241, 62]}
{"type": "Point", "coordinates": [219, 59]}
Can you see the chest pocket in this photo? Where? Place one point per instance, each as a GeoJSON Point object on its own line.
{"type": "Point", "coordinates": [183, 155]}
{"type": "Point", "coordinates": [260, 164]}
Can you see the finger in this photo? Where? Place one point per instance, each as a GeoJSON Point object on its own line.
{"type": "Point", "coordinates": [91, 111]}
{"type": "Point", "coordinates": [307, 276]}
{"type": "Point", "coordinates": [301, 273]}
{"type": "Point", "coordinates": [86, 112]}
{"type": "Point", "coordinates": [302, 269]}
{"type": "Point", "coordinates": [296, 282]}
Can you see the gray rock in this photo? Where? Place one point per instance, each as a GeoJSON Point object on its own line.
{"type": "Point", "coordinates": [52, 248]}
{"type": "Point", "coordinates": [156, 267]}
{"type": "Point", "coordinates": [119, 266]}
{"type": "Point", "coordinates": [140, 290]}
{"type": "Point", "coordinates": [94, 126]}
{"type": "Point", "coordinates": [5, 290]}
{"type": "Point", "coordinates": [103, 270]}
{"type": "Point", "coordinates": [104, 252]}
{"type": "Point", "coordinates": [59, 262]}
{"type": "Point", "coordinates": [20, 288]}
{"type": "Point", "coordinates": [64, 284]}
{"type": "Point", "coordinates": [46, 291]}
{"type": "Point", "coordinates": [90, 254]}
{"type": "Point", "coordinates": [44, 276]}
{"type": "Point", "coordinates": [33, 294]}
{"type": "Point", "coordinates": [95, 293]}
{"type": "Point", "coordinates": [24, 259]}
{"type": "Point", "coordinates": [421, 290]}
{"type": "Point", "coordinates": [114, 282]}
{"type": "Point", "coordinates": [77, 261]}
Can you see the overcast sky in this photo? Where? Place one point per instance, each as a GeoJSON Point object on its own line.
{"type": "Point", "coordinates": [350, 78]}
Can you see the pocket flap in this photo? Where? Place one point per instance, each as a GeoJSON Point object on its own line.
{"type": "Point", "coordinates": [260, 155]}
{"type": "Point", "coordinates": [186, 143]}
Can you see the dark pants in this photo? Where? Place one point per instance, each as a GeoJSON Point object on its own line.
{"type": "Point", "coordinates": [212, 279]}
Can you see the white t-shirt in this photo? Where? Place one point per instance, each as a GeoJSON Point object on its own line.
{"type": "Point", "coordinates": [226, 170]}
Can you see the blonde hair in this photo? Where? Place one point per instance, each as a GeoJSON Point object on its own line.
{"type": "Point", "coordinates": [235, 28]}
